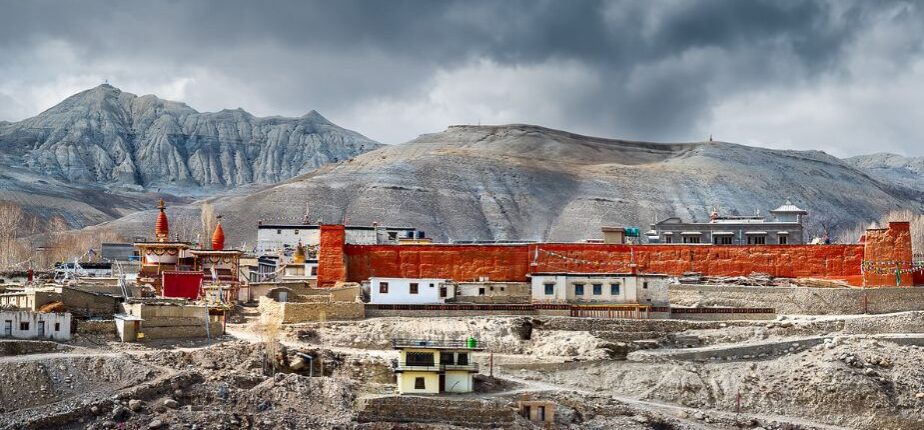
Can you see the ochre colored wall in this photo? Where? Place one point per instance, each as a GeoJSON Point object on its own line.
{"type": "Point", "coordinates": [456, 262]}
{"type": "Point", "coordinates": [514, 262]}
{"type": "Point", "coordinates": [331, 267]}
{"type": "Point", "coordinates": [886, 248]}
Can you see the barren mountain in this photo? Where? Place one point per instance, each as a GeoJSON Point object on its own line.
{"type": "Point", "coordinates": [907, 171]}
{"type": "Point", "coordinates": [528, 182]}
{"type": "Point", "coordinates": [104, 143]}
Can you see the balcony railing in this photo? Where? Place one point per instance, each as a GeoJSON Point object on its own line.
{"type": "Point", "coordinates": [438, 344]}
{"type": "Point", "coordinates": [405, 367]}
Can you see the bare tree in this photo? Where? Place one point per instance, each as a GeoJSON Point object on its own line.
{"type": "Point", "coordinates": [11, 218]}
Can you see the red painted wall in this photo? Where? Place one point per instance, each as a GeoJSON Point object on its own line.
{"type": "Point", "coordinates": [886, 249]}
{"type": "Point", "coordinates": [331, 265]}
{"type": "Point", "coordinates": [187, 285]}
{"type": "Point", "coordinates": [514, 262]}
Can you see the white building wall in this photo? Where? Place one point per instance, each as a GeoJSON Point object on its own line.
{"type": "Point", "coordinates": [428, 291]}
{"type": "Point", "coordinates": [631, 289]}
{"type": "Point", "coordinates": [26, 325]}
{"type": "Point", "coordinates": [459, 381]}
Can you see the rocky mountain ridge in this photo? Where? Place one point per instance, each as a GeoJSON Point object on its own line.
{"type": "Point", "coordinates": [525, 182]}
{"type": "Point", "coordinates": [106, 136]}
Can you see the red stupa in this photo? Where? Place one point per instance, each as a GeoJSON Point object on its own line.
{"type": "Point", "coordinates": [218, 238]}
{"type": "Point", "coordinates": [161, 226]}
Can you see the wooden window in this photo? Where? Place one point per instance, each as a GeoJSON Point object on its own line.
{"type": "Point", "coordinates": [420, 383]}
{"type": "Point", "coordinates": [383, 287]}
{"type": "Point", "coordinates": [549, 289]}
{"type": "Point", "coordinates": [783, 240]}
{"type": "Point", "coordinates": [722, 240]}
{"type": "Point", "coordinates": [413, 287]}
{"type": "Point", "coordinates": [668, 239]}
{"type": "Point", "coordinates": [757, 240]}
{"type": "Point", "coordinates": [57, 326]}
{"type": "Point", "coordinates": [578, 289]}
{"type": "Point", "coordinates": [598, 289]}
{"type": "Point", "coordinates": [614, 289]}
{"type": "Point", "coordinates": [462, 358]}
{"type": "Point", "coordinates": [24, 325]}
{"type": "Point", "coordinates": [691, 239]}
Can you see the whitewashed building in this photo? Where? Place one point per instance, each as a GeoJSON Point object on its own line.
{"type": "Point", "coordinates": [280, 237]}
{"type": "Point", "coordinates": [35, 325]}
{"type": "Point", "coordinates": [602, 288]}
{"type": "Point", "coordinates": [409, 291]}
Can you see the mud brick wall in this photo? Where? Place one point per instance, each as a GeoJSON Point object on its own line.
{"type": "Point", "coordinates": [290, 313]}
{"type": "Point", "coordinates": [512, 263]}
{"type": "Point", "coordinates": [331, 266]}
{"type": "Point", "coordinates": [466, 413]}
{"type": "Point", "coordinates": [885, 246]}
{"type": "Point", "coordinates": [802, 300]}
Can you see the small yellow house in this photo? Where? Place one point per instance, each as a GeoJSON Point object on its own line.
{"type": "Point", "coordinates": [436, 366]}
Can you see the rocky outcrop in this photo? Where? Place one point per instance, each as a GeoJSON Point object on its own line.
{"type": "Point", "coordinates": [106, 136]}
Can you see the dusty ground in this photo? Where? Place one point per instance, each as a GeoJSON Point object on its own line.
{"type": "Point", "coordinates": [828, 372]}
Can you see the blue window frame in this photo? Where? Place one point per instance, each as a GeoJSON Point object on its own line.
{"type": "Point", "coordinates": [598, 289]}
{"type": "Point", "coordinates": [614, 289]}
{"type": "Point", "coordinates": [549, 289]}
{"type": "Point", "coordinates": [578, 289]}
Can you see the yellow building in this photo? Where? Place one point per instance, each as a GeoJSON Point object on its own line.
{"type": "Point", "coordinates": [436, 366]}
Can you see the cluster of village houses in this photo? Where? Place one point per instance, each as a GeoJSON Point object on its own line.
{"type": "Point", "coordinates": [165, 288]}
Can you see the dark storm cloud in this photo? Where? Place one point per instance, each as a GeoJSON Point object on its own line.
{"type": "Point", "coordinates": [643, 70]}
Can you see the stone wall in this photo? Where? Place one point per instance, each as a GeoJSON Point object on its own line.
{"type": "Point", "coordinates": [97, 328]}
{"type": "Point", "coordinates": [290, 313]}
{"type": "Point", "coordinates": [802, 300]}
{"type": "Point", "coordinates": [465, 413]}
{"type": "Point", "coordinates": [87, 304]}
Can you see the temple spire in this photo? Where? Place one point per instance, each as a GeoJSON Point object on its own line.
{"type": "Point", "coordinates": [162, 226]}
{"type": "Point", "coordinates": [218, 238]}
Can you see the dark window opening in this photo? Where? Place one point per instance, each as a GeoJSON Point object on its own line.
{"type": "Point", "coordinates": [783, 240]}
{"type": "Point", "coordinates": [383, 287]}
{"type": "Point", "coordinates": [462, 359]}
{"type": "Point", "coordinates": [57, 326]}
{"type": "Point", "coordinates": [549, 289]}
{"type": "Point", "coordinates": [23, 325]}
{"type": "Point", "coordinates": [420, 384]}
{"type": "Point", "coordinates": [481, 291]}
{"type": "Point", "coordinates": [645, 285]}
{"type": "Point", "coordinates": [614, 289]}
{"type": "Point", "coordinates": [578, 289]}
{"type": "Point", "coordinates": [413, 287]}
{"type": "Point", "coordinates": [419, 358]}
{"type": "Point", "coordinates": [598, 289]}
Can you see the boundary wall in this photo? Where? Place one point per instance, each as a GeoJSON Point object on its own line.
{"type": "Point", "coordinates": [513, 263]}
{"type": "Point", "coordinates": [802, 300]}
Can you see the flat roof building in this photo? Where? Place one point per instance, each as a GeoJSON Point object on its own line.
{"type": "Point", "coordinates": [783, 227]}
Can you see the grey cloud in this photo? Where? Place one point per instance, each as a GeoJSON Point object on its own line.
{"type": "Point", "coordinates": [663, 67]}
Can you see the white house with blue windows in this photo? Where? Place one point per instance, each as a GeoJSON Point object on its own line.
{"type": "Point", "coordinates": [600, 288]}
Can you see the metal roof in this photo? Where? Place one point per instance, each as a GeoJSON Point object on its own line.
{"type": "Point", "coordinates": [788, 207]}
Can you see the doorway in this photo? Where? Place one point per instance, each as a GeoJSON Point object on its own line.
{"type": "Point", "coordinates": [442, 383]}
{"type": "Point", "coordinates": [41, 329]}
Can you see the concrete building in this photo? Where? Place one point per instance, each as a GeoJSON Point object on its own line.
{"type": "Point", "coordinates": [435, 366]}
{"type": "Point", "coordinates": [395, 291]}
{"type": "Point", "coordinates": [783, 227]}
{"type": "Point", "coordinates": [274, 238]}
{"type": "Point", "coordinates": [23, 324]}
{"type": "Point", "coordinates": [601, 288]}
{"type": "Point", "coordinates": [118, 252]}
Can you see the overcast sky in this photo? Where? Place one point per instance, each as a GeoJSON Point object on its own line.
{"type": "Point", "coordinates": [846, 78]}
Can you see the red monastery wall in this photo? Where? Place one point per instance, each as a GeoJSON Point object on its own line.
{"type": "Point", "coordinates": [513, 262]}
{"type": "Point", "coordinates": [887, 251]}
